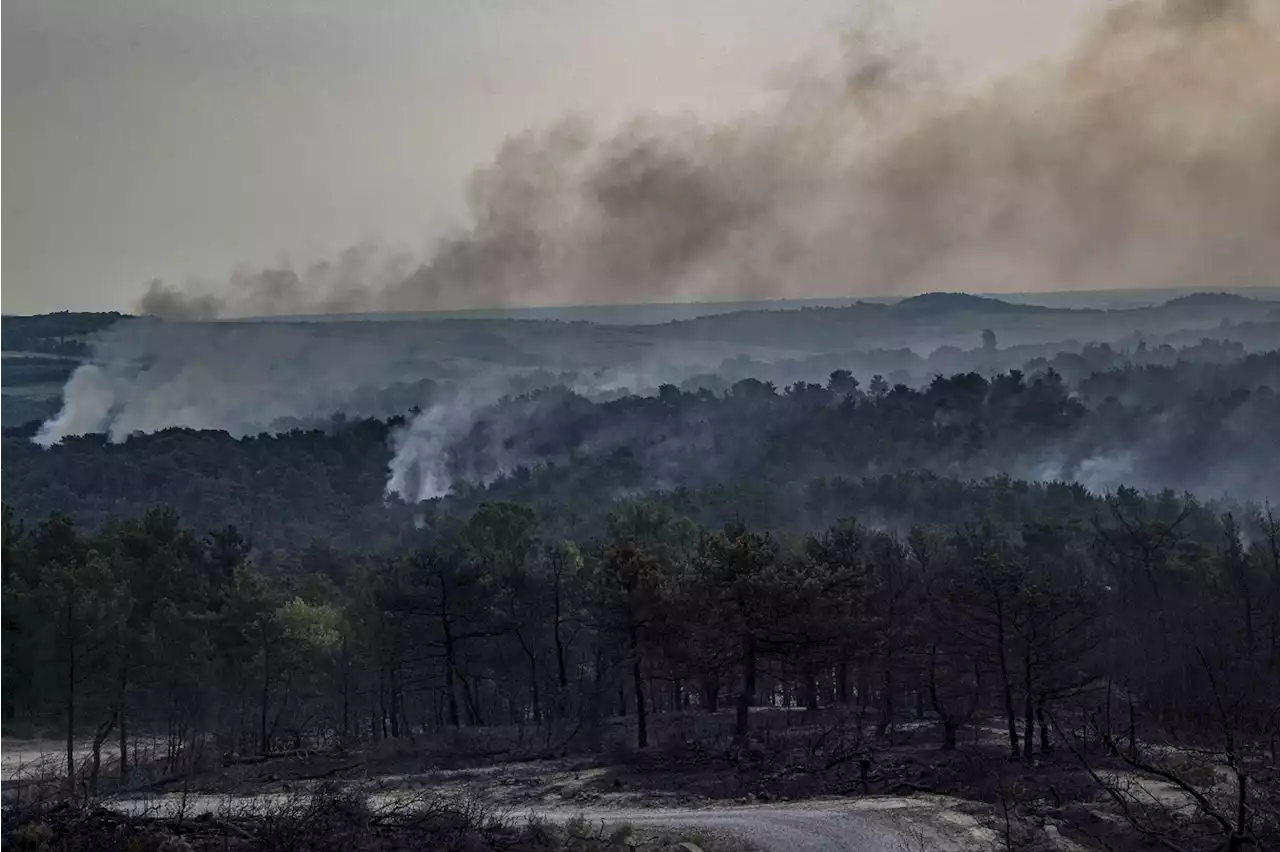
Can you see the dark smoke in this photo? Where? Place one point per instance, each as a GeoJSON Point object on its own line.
{"type": "Point", "coordinates": [1147, 157]}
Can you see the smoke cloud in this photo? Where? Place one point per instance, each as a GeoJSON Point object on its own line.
{"type": "Point", "coordinates": [1146, 157]}
{"type": "Point", "coordinates": [348, 284]}
{"type": "Point", "coordinates": [244, 378]}
{"type": "Point", "coordinates": [252, 377]}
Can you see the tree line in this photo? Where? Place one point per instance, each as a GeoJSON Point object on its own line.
{"type": "Point", "coordinates": [1198, 426]}
{"type": "Point", "coordinates": [1116, 616]}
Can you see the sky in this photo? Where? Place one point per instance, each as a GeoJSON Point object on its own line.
{"type": "Point", "coordinates": [162, 139]}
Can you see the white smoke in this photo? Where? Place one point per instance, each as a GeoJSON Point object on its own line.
{"type": "Point", "coordinates": [87, 402]}
{"type": "Point", "coordinates": [1099, 473]}
{"type": "Point", "coordinates": [150, 375]}
{"type": "Point", "coordinates": [420, 468]}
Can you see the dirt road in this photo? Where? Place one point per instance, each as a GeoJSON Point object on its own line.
{"type": "Point", "coordinates": [873, 824]}
{"type": "Point", "coordinates": [876, 824]}
{"type": "Point", "coordinates": [784, 830]}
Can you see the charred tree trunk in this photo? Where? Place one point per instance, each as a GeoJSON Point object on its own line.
{"type": "Point", "coordinates": [1240, 834]}
{"type": "Point", "coordinates": [346, 691]}
{"type": "Point", "coordinates": [1045, 745]}
{"type": "Point", "coordinates": [71, 691]}
{"type": "Point", "coordinates": [1006, 686]}
{"type": "Point", "coordinates": [394, 694]}
{"type": "Point", "coordinates": [535, 698]}
{"type": "Point", "coordinates": [746, 696]}
{"type": "Point", "coordinates": [886, 705]}
{"type": "Point", "coordinates": [104, 731]}
{"type": "Point", "coordinates": [810, 689]}
{"type": "Point", "coordinates": [1133, 730]}
{"type": "Point", "coordinates": [450, 658]}
{"type": "Point", "coordinates": [637, 687]}
{"type": "Point", "coordinates": [263, 745]}
{"type": "Point", "coordinates": [121, 710]}
{"type": "Point", "coordinates": [562, 672]}
{"type": "Point", "coordinates": [710, 693]}
{"type": "Point", "coordinates": [1028, 730]}
{"type": "Point", "coordinates": [949, 731]}
{"type": "Point", "coordinates": [471, 691]}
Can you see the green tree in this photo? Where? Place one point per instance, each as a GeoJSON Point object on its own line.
{"type": "Point", "coordinates": [647, 544]}
{"type": "Point", "coordinates": [737, 572]}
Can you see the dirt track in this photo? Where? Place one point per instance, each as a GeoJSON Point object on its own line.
{"type": "Point", "coordinates": [874, 824]}
{"type": "Point", "coordinates": [865, 825]}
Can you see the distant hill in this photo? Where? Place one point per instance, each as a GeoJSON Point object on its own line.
{"type": "Point", "coordinates": [60, 333]}
{"type": "Point", "coordinates": [934, 304]}
{"type": "Point", "coordinates": [1211, 300]}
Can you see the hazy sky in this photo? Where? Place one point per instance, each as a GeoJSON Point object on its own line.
{"type": "Point", "coordinates": [165, 138]}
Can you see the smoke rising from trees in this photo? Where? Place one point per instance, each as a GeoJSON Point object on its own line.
{"type": "Point", "coordinates": [444, 382]}
{"type": "Point", "coordinates": [1144, 158]}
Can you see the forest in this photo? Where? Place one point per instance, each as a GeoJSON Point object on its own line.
{"type": "Point", "coordinates": [1068, 621]}
{"type": "Point", "coordinates": [1038, 589]}
{"type": "Point", "coordinates": [766, 454]}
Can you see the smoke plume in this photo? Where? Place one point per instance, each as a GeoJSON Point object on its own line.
{"type": "Point", "coordinates": [1146, 157]}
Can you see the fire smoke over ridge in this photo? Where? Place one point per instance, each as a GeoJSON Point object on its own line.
{"type": "Point", "coordinates": [1146, 157]}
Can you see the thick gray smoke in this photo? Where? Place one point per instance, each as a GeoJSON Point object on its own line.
{"type": "Point", "coordinates": [1147, 157]}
